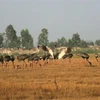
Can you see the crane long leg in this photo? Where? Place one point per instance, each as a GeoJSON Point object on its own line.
{"type": "Point", "coordinates": [13, 64]}
{"type": "Point", "coordinates": [69, 60]}
{"type": "Point", "coordinates": [25, 63]}
{"type": "Point", "coordinates": [89, 62]}
{"type": "Point", "coordinates": [97, 60]}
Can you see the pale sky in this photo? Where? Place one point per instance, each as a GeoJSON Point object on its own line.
{"type": "Point", "coordinates": [60, 17]}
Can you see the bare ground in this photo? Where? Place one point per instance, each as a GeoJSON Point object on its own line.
{"type": "Point", "coordinates": [57, 80]}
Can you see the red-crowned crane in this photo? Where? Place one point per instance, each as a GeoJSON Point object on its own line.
{"type": "Point", "coordinates": [64, 52]}
{"type": "Point", "coordinates": [85, 56]}
{"type": "Point", "coordinates": [69, 56]}
{"type": "Point", "coordinates": [22, 57]}
{"type": "Point", "coordinates": [1, 59]}
{"type": "Point", "coordinates": [34, 57]}
{"type": "Point", "coordinates": [96, 56]}
{"type": "Point", "coordinates": [49, 51]}
{"type": "Point", "coordinates": [7, 55]}
{"type": "Point", "coordinates": [8, 58]}
{"type": "Point", "coordinates": [56, 53]}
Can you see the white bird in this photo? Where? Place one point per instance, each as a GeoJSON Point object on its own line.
{"type": "Point", "coordinates": [47, 49]}
{"type": "Point", "coordinates": [63, 52]}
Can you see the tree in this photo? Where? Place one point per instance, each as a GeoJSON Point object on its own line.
{"type": "Point", "coordinates": [18, 41]}
{"type": "Point", "coordinates": [70, 43]}
{"type": "Point", "coordinates": [62, 42]}
{"type": "Point", "coordinates": [52, 44]}
{"type": "Point", "coordinates": [90, 43]}
{"type": "Point", "coordinates": [11, 37]}
{"type": "Point", "coordinates": [43, 37]}
{"type": "Point", "coordinates": [1, 40]}
{"type": "Point", "coordinates": [76, 39]}
{"type": "Point", "coordinates": [26, 39]}
{"type": "Point", "coordinates": [97, 42]}
{"type": "Point", "coordinates": [83, 44]}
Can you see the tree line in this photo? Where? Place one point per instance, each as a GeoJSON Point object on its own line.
{"type": "Point", "coordinates": [9, 39]}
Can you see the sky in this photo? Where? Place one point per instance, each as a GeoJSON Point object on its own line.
{"type": "Point", "coordinates": [62, 18]}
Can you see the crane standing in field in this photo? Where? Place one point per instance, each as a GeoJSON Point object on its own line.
{"type": "Point", "coordinates": [64, 52]}
{"type": "Point", "coordinates": [69, 56]}
{"type": "Point", "coordinates": [56, 53]}
{"type": "Point", "coordinates": [8, 58]}
{"type": "Point", "coordinates": [7, 55]}
{"type": "Point", "coordinates": [48, 50]}
{"type": "Point", "coordinates": [49, 53]}
{"type": "Point", "coordinates": [97, 56]}
{"type": "Point", "coordinates": [85, 56]}
{"type": "Point", "coordinates": [34, 57]}
{"type": "Point", "coordinates": [1, 59]}
{"type": "Point", "coordinates": [22, 57]}
{"type": "Point", "coordinates": [5, 59]}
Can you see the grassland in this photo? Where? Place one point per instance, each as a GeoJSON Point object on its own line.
{"type": "Point", "coordinates": [58, 80]}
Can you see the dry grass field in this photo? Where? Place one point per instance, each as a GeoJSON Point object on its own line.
{"type": "Point", "coordinates": [58, 80]}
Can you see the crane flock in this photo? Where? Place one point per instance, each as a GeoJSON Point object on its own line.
{"type": "Point", "coordinates": [35, 57]}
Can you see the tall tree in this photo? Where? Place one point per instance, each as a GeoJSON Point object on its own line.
{"type": "Point", "coordinates": [43, 37]}
{"type": "Point", "coordinates": [97, 42]}
{"type": "Point", "coordinates": [11, 37]}
{"type": "Point", "coordinates": [52, 44]}
{"type": "Point", "coordinates": [1, 40]}
{"type": "Point", "coordinates": [76, 39]}
{"type": "Point", "coordinates": [83, 44]}
{"type": "Point", "coordinates": [90, 43]}
{"type": "Point", "coordinates": [70, 43]}
{"type": "Point", "coordinates": [18, 41]}
{"type": "Point", "coordinates": [26, 39]}
{"type": "Point", "coordinates": [62, 42]}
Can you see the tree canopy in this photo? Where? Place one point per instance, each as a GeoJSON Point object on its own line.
{"type": "Point", "coordinates": [97, 42]}
{"type": "Point", "coordinates": [26, 39]}
{"type": "Point", "coordinates": [62, 42]}
{"type": "Point", "coordinates": [76, 39]}
{"type": "Point", "coordinates": [1, 40]}
{"type": "Point", "coordinates": [43, 37]}
{"type": "Point", "coordinates": [9, 39]}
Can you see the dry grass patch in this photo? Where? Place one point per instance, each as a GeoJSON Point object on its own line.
{"type": "Point", "coordinates": [59, 80]}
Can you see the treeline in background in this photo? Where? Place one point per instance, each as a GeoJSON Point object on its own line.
{"type": "Point", "coordinates": [9, 39]}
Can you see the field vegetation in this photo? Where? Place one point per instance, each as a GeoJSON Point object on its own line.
{"type": "Point", "coordinates": [57, 80]}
